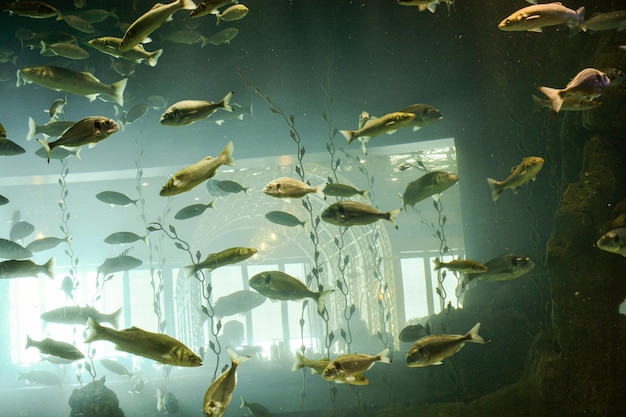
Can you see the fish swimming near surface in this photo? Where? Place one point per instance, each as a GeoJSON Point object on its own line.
{"type": "Point", "coordinates": [256, 409]}
{"type": "Point", "coordinates": [15, 268]}
{"type": "Point", "coordinates": [526, 171]}
{"type": "Point", "coordinates": [20, 230]}
{"type": "Point", "coordinates": [353, 213]}
{"type": "Point", "coordinates": [238, 113]}
{"type": "Point", "coordinates": [220, 393]}
{"type": "Point", "coordinates": [56, 348]}
{"type": "Point", "coordinates": [193, 210]}
{"type": "Point", "coordinates": [40, 377]}
{"type": "Point", "coordinates": [432, 350]}
{"type": "Point", "coordinates": [63, 79]}
{"type": "Point", "coordinates": [346, 366]}
{"type": "Point", "coordinates": [156, 346]}
{"type": "Point", "coordinates": [167, 402]}
{"type": "Point", "coordinates": [78, 315]}
{"type": "Point", "coordinates": [116, 367]}
{"type": "Point", "coordinates": [285, 187]}
{"type": "Point", "coordinates": [465, 266]}
{"type": "Point", "coordinates": [534, 18]}
{"type": "Point", "coordinates": [12, 250]}
{"type": "Point", "coordinates": [89, 130]}
{"type": "Point", "coordinates": [122, 262]}
{"type": "Point", "coordinates": [150, 21]}
{"type": "Point", "coordinates": [32, 9]}
{"type": "Point", "coordinates": [118, 238]}
{"type": "Point", "coordinates": [216, 260]}
{"type": "Point", "coordinates": [587, 84]}
{"type": "Point", "coordinates": [613, 241]}
{"type": "Point", "coordinates": [284, 219]}
{"type": "Point", "coordinates": [388, 124]}
{"type": "Point", "coordinates": [111, 46]}
{"type": "Point", "coordinates": [237, 302]}
{"type": "Point", "coordinates": [429, 184]}
{"type": "Point", "coordinates": [343, 190]}
{"type": "Point", "coordinates": [115, 198]}
{"type": "Point", "coordinates": [186, 112]}
{"type": "Point", "coordinates": [278, 285]}
{"type": "Point", "coordinates": [193, 175]}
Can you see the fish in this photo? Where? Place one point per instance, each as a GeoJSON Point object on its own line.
{"type": "Point", "coordinates": [615, 19]}
{"type": "Point", "coordinates": [317, 365]}
{"type": "Point", "coordinates": [89, 130]}
{"type": "Point", "coordinates": [57, 108]}
{"type": "Point", "coordinates": [232, 187]}
{"type": "Point", "coordinates": [20, 230]}
{"type": "Point", "coordinates": [284, 219]}
{"type": "Point", "coordinates": [52, 128]}
{"type": "Point", "coordinates": [58, 153]}
{"type": "Point", "coordinates": [193, 175]}
{"type": "Point", "coordinates": [56, 348]}
{"type": "Point", "coordinates": [232, 13]}
{"type": "Point", "coordinates": [285, 187]}
{"type": "Point", "coordinates": [257, 409]}
{"type": "Point", "coordinates": [55, 360]}
{"type": "Point", "coordinates": [353, 213]}
{"type": "Point", "coordinates": [534, 18]}
{"type": "Point", "coordinates": [77, 23]}
{"type": "Point", "coordinates": [40, 377]}
{"type": "Point", "coordinates": [32, 9]}
{"type": "Point", "coordinates": [501, 268]}
{"type": "Point", "coordinates": [3, 201]}
{"type": "Point", "coordinates": [237, 302]}
{"type": "Point", "coordinates": [430, 184]}
{"type": "Point", "coordinates": [115, 198]}
{"type": "Point", "coordinates": [33, 40]}
{"type": "Point", "coordinates": [65, 50]}
{"type": "Point", "coordinates": [430, 5]}
{"type": "Point", "coordinates": [278, 285]}
{"type": "Point", "coordinates": [120, 263]}
{"type": "Point", "coordinates": [465, 266]}
{"type": "Point", "coordinates": [587, 84]}
{"type": "Point", "coordinates": [123, 68]}
{"type": "Point", "coordinates": [150, 21]}
{"type": "Point", "coordinates": [346, 366]}
{"type": "Point", "coordinates": [413, 332]}
{"type": "Point", "coordinates": [10, 148]}
{"type": "Point", "coordinates": [388, 124]}
{"type": "Point", "coordinates": [125, 237]}
{"type": "Point", "coordinates": [68, 287]}
{"type": "Point", "coordinates": [26, 268]}
{"type": "Point", "coordinates": [223, 37]}
{"type": "Point", "coordinates": [220, 392]}
{"type": "Point", "coordinates": [97, 15]}
{"type": "Point", "coordinates": [613, 241]}
{"type": "Point", "coordinates": [186, 112]}
{"type": "Point", "coordinates": [167, 402]}
{"type": "Point", "coordinates": [425, 115]}
{"type": "Point", "coordinates": [116, 367]}
{"type": "Point", "coordinates": [571, 103]}
{"type": "Point", "coordinates": [110, 45]}
{"type": "Point", "coordinates": [78, 315]}
{"type": "Point", "coordinates": [157, 102]}
{"type": "Point", "coordinates": [135, 113]}
{"type": "Point", "coordinates": [238, 113]}
{"type": "Point", "coordinates": [432, 350]}
{"type": "Point", "coordinates": [343, 190]}
{"type": "Point", "coordinates": [216, 260]}
{"type": "Point", "coordinates": [137, 387]}
{"type": "Point", "coordinates": [12, 250]}
{"type": "Point", "coordinates": [526, 171]}
{"type": "Point", "coordinates": [192, 211]}
{"type": "Point", "coordinates": [63, 79]}
{"type": "Point", "coordinates": [208, 7]}
{"type": "Point", "coordinates": [186, 37]}
{"type": "Point", "coordinates": [156, 346]}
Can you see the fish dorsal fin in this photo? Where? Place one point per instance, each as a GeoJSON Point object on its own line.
{"type": "Point", "coordinates": [132, 329]}
{"type": "Point", "coordinates": [90, 75]}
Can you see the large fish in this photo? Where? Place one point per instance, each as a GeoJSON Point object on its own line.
{"type": "Point", "coordinates": [26, 268]}
{"type": "Point", "coordinates": [220, 393]}
{"type": "Point", "coordinates": [587, 84]}
{"type": "Point", "coordinates": [79, 315]}
{"type": "Point", "coordinates": [534, 18]}
{"type": "Point", "coordinates": [430, 184]}
{"type": "Point", "coordinates": [388, 124]}
{"type": "Point", "coordinates": [151, 21]}
{"type": "Point", "coordinates": [10, 148]}
{"type": "Point", "coordinates": [56, 348]}
{"type": "Point", "coordinates": [32, 9]}
{"type": "Point", "coordinates": [63, 79]}
{"type": "Point", "coordinates": [216, 260]}
{"type": "Point", "coordinates": [111, 46]}
{"type": "Point", "coordinates": [256, 409]}
{"type": "Point", "coordinates": [431, 350]}
{"type": "Point", "coordinates": [186, 112]}
{"type": "Point", "coordinates": [159, 347]}
{"type": "Point", "coordinates": [353, 213]}
{"type": "Point", "coordinates": [187, 178]}
{"type": "Point", "coordinates": [526, 171]}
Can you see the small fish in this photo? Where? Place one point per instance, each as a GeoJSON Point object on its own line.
{"type": "Point", "coordinates": [343, 190]}
{"type": "Point", "coordinates": [238, 113]}
{"type": "Point", "coordinates": [77, 23]}
{"type": "Point", "coordinates": [40, 377]}
{"type": "Point", "coordinates": [68, 287]}
{"type": "Point", "coordinates": [278, 285]}
{"type": "Point", "coordinates": [89, 130]}
{"type": "Point", "coordinates": [388, 124]}
{"type": "Point", "coordinates": [33, 40]}
{"type": "Point", "coordinates": [123, 68]}
{"type": "Point", "coordinates": [613, 241]}
{"type": "Point", "coordinates": [220, 393]}
{"type": "Point", "coordinates": [430, 5]}
{"type": "Point", "coordinates": [186, 112]}
{"type": "Point", "coordinates": [534, 18]}
{"type": "Point", "coordinates": [571, 103]}
{"type": "Point", "coordinates": [55, 360]}
{"type": "Point", "coordinates": [115, 198]}
{"type": "Point", "coordinates": [20, 230]}
{"type": "Point", "coordinates": [33, 9]}
{"type": "Point", "coordinates": [237, 302]}
{"type": "Point", "coordinates": [430, 184]}
{"type": "Point", "coordinates": [431, 350]}
{"type": "Point", "coordinates": [425, 115]}
{"type": "Point", "coordinates": [26, 268]}
{"type": "Point", "coordinates": [501, 268]}
{"type": "Point", "coordinates": [10, 148]}
{"type": "Point", "coordinates": [97, 15]}
{"type": "Point", "coordinates": [353, 213]}
{"type": "Point", "coordinates": [119, 238]}
{"type": "Point", "coordinates": [615, 19]}
{"type": "Point", "coordinates": [193, 175]}
{"type": "Point", "coordinates": [54, 347]}
{"type": "Point", "coordinates": [257, 409]}
{"type": "Point", "coordinates": [587, 84]}
{"type": "Point", "coordinates": [59, 153]}
{"type": "Point", "coordinates": [156, 346]}
{"type": "Point", "coordinates": [232, 187]}
{"type": "Point", "coordinates": [167, 402]}
{"type": "Point", "coordinates": [346, 366]}
{"type": "Point", "coordinates": [110, 46]}
{"type": "Point", "coordinates": [224, 37]}
{"type": "Point", "coordinates": [53, 128]}
{"type": "Point", "coordinates": [150, 21]}
{"type": "Point", "coordinates": [120, 263]}
{"type": "Point", "coordinates": [78, 315]}
{"type": "Point", "coordinates": [157, 102]}
{"type": "Point", "coordinates": [216, 260]}
{"type": "Point", "coordinates": [135, 113]}
{"type": "Point", "coordinates": [12, 250]}
{"type": "Point", "coordinates": [526, 171]}
{"type": "Point", "coordinates": [209, 7]}
{"type": "Point", "coordinates": [232, 13]}
{"type": "Point", "coordinates": [284, 219]}
{"type": "Point", "coordinates": [465, 266]}
{"type": "Point", "coordinates": [286, 187]}
{"type": "Point", "coordinates": [116, 367]}
{"type": "Point", "coordinates": [186, 37]}
{"type": "Point", "coordinates": [57, 108]}
{"type": "Point", "coordinates": [413, 332]}
{"type": "Point", "coordinates": [192, 211]}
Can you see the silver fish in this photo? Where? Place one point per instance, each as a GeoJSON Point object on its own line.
{"type": "Point", "coordinates": [613, 241]}
{"type": "Point", "coordinates": [110, 46]}
{"type": "Point", "coordinates": [223, 37]}
{"type": "Point", "coordinates": [10, 148]}
{"type": "Point", "coordinates": [20, 230]}
{"type": "Point", "coordinates": [135, 113]}
{"type": "Point", "coordinates": [55, 348]}
{"type": "Point", "coordinates": [343, 190]}
{"type": "Point", "coordinates": [284, 219]}
{"type": "Point", "coordinates": [220, 393]}
{"type": "Point", "coordinates": [186, 37]}
{"type": "Point", "coordinates": [501, 268]}
{"type": "Point", "coordinates": [26, 268]}
{"type": "Point", "coordinates": [57, 108]}
{"type": "Point", "coordinates": [431, 350]}
{"type": "Point", "coordinates": [53, 128]}
{"type": "Point", "coordinates": [413, 332]}
{"type": "Point", "coordinates": [125, 237]}
{"type": "Point", "coordinates": [40, 377]}
{"type": "Point", "coordinates": [615, 19]}
{"type": "Point", "coordinates": [12, 250]}
{"type": "Point", "coordinates": [167, 402]}
{"type": "Point", "coordinates": [465, 266]}
{"type": "Point", "coordinates": [186, 112]}
{"type": "Point", "coordinates": [116, 367]}
{"type": "Point", "coordinates": [237, 302]}
{"type": "Point", "coordinates": [79, 315]}
{"type": "Point", "coordinates": [587, 84]}
{"type": "Point", "coordinates": [238, 113]}
{"type": "Point", "coordinates": [430, 184]}
{"type": "Point", "coordinates": [65, 50]}
{"type": "Point", "coordinates": [120, 263]}
{"type": "Point", "coordinates": [425, 115]}
{"type": "Point", "coordinates": [534, 18]}
{"type": "Point", "coordinates": [58, 153]}
{"type": "Point", "coordinates": [216, 260]}
{"type": "Point", "coordinates": [353, 213]}
{"type": "Point", "coordinates": [526, 171]}
{"type": "Point", "coordinates": [286, 187]}
{"type": "Point", "coordinates": [115, 198]}
{"type": "Point", "coordinates": [97, 15]}
{"type": "Point", "coordinates": [257, 409]}
{"type": "Point", "coordinates": [191, 211]}
{"type": "Point", "coordinates": [77, 23]}
{"type": "Point", "coordinates": [232, 187]}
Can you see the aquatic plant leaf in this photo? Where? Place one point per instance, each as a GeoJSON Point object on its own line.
{"type": "Point", "coordinates": [316, 256]}
{"type": "Point", "coordinates": [293, 135]}
{"type": "Point", "coordinates": [436, 204]}
{"type": "Point", "coordinates": [317, 221]}
{"type": "Point", "coordinates": [334, 132]}
{"type": "Point", "coordinates": [62, 229]}
{"type": "Point", "coordinates": [337, 241]}
{"type": "Point", "coordinates": [344, 335]}
{"type": "Point", "coordinates": [352, 309]}
{"type": "Point", "coordinates": [274, 110]}
{"type": "Point", "coordinates": [60, 182]}
{"type": "Point", "coordinates": [88, 367]}
{"type": "Point", "coordinates": [204, 310]}
{"type": "Point", "coordinates": [305, 204]}
{"type": "Point", "coordinates": [325, 117]}
{"type": "Point", "coordinates": [328, 147]}
{"type": "Point", "coordinates": [152, 228]}
{"type": "Point", "coordinates": [301, 322]}
{"type": "Point", "coordinates": [337, 163]}
{"type": "Point", "coordinates": [179, 245]}
{"type": "Point", "coordinates": [346, 259]}
{"type": "Point", "coordinates": [172, 229]}
{"type": "Point", "coordinates": [212, 346]}
{"type": "Point", "coordinates": [340, 285]}
{"type": "Point", "coordinates": [198, 256]}
{"type": "Point", "coordinates": [304, 304]}
{"type": "Point", "coordinates": [291, 118]}
{"type": "Point", "coordinates": [330, 180]}
{"type": "Point", "coordinates": [331, 337]}
{"type": "Point", "coordinates": [302, 152]}
{"type": "Point", "coordinates": [218, 326]}
{"type": "Point", "coordinates": [298, 170]}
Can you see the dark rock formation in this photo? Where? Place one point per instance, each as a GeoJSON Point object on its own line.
{"type": "Point", "coordinates": [94, 400]}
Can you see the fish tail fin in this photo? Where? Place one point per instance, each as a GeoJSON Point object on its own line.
{"type": "Point", "coordinates": [349, 135]}
{"type": "Point", "coordinates": [43, 47]}
{"type": "Point", "coordinates": [580, 23]}
{"type": "Point", "coordinates": [146, 239]}
{"type": "Point", "coordinates": [118, 91]}
{"type": "Point", "coordinates": [235, 358]}
{"type": "Point", "coordinates": [77, 154]}
{"type": "Point", "coordinates": [473, 336]}
{"type": "Point", "coordinates": [496, 189]}
{"type": "Point", "coordinates": [46, 147]}
{"type": "Point", "coordinates": [319, 191]}
{"type": "Point", "coordinates": [114, 318]}
{"type": "Point", "coordinates": [29, 342]}
{"type": "Point", "coordinates": [95, 331]}
{"type": "Point", "coordinates": [48, 268]}
{"type": "Point", "coordinates": [243, 402]}
{"type": "Point", "coordinates": [203, 41]}
{"type": "Point", "coordinates": [218, 19]}
{"type": "Point", "coordinates": [227, 154]}
{"type": "Point", "coordinates": [393, 214]}
{"type": "Point", "coordinates": [189, 270]}
{"type": "Point", "coordinates": [154, 57]}
{"type": "Point", "coordinates": [365, 194]}
{"type": "Point", "coordinates": [321, 299]}
{"type": "Point", "coordinates": [555, 97]}
{"type": "Point", "coordinates": [384, 356]}
{"type": "Point", "coordinates": [225, 103]}
{"type": "Point", "coordinates": [299, 363]}
{"type": "Point", "coordinates": [32, 129]}
{"type": "Point", "coordinates": [437, 263]}
{"type": "Point", "coordinates": [159, 395]}
{"type": "Point", "coordinates": [187, 4]}
{"type": "Point", "coordinates": [20, 78]}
